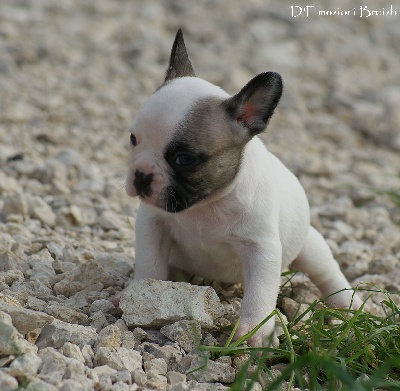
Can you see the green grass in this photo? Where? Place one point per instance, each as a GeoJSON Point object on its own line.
{"type": "Point", "coordinates": [333, 349]}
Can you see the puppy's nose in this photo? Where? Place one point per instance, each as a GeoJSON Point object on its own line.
{"type": "Point", "coordinates": [142, 183]}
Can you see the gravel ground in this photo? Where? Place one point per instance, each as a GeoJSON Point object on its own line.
{"type": "Point", "coordinates": [72, 75]}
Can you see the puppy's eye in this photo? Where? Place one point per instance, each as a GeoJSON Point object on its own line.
{"type": "Point", "coordinates": [133, 140]}
{"type": "Point", "coordinates": [184, 159]}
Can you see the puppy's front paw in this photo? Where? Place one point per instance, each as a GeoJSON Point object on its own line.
{"type": "Point", "coordinates": [264, 337]}
{"type": "Point", "coordinates": [345, 299]}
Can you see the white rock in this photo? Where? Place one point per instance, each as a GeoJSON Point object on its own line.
{"type": "Point", "coordinates": [8, 184]}
{"type": "Point", "coordinates": [120, 386]}
{"type": "Point", "coordinates": [28, 363]}
{"type": "Point", "coordinates": [39, 209]}
{"type": "Point", "coordinates": [102, 305]}
{"type": "Point", "coordinates": [187, 333]}
{"type": "Point", "coordinates": [110, 220]}
{"type": "Point", "coordinates": [7, 382]}
{"type": "Point", "coordinates": [53, 367]}
{"type": "Point", "coordinates": [118, 359]}
{"type": "Point", "coordinates": [92, 375]}
{"type": "Point", "coordinates": [80, 278]}
{"type": "Point", "coordinates": [6, 240]}
{"type": "Point", "coordinates": [33, 303]}
{"type": "Point", "coordinates": [34, 287]}
{"type": "Point", "coordinates": [157, 303]}
{"type": "Point", "coordinates": [40, 385]}
{"type": "Point", "coordinates": [69, 157]}
{"type": "Point", "coordinates": [204, 370]}
{"type": "Point", "coordinates": [75, 369]}
{"type": "Point", "coordinates": [24, 319]}
{"type": "Point", "coordinates": [71, 350]}
{"type": "Point", "coordinates": [57, 333]}
{"type": "Point", "coordinates": [98, 320]}
{"type": "Point", "coordinates": [170, 353]}
{"type": "Point", "coordinates": [73, 385]}
{"type": "Point", "coordinates": [11, 261]}
{"type": "Point", "coordinates": [157, 382]}
{"type": "Point", "coordinates": [292, 309]}
{"type": "Point", "coordinates": [104, 371]}
{"type": "Point", "coordinates": [115, 262]}
{"type": "Point", "coordinates": [15, 204]}
{"type": "Point", "coordinates": [11, 341]}
{"type": "Point", "coordinates": [80, 300]}
{"type": "Point", "coordinates": [155, 366]}
{"type": "Point", "coordinates": [139, 377]}
{"type": "Point", "coordinates": [42, 256]}
{"type": "Point", "coordinates": [354, 258]}
{"type": "Point", "coordinates": [66, 314]}
{"type": "Point", "coordinates": [109, 337]}
{"type": "Point", "coordinates": [175, 377]}
{"type": "Point", "coordinates": [88, 355]}
{"type": "Point", "coordinates": [123, 376]}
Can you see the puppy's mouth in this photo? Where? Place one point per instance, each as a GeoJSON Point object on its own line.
{"type": "Point", "coordinates": [173, 201]}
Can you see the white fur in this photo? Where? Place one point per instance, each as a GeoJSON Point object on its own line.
{"type": "Point", "coordinates": [256, 227]}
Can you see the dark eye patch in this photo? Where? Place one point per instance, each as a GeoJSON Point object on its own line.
{"type": "Point", "coordinates": [181, 157]}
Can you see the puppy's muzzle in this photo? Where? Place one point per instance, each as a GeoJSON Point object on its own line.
{"type": "Point", "coordinates": [142, 183]}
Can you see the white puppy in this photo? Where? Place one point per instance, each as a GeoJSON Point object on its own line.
{"type": "Point", "coordinates": [215, 202]}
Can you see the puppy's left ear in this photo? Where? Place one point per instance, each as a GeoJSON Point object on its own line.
{"type": "Point", "coordinates": [179, 63]}
{"type": "Point", "coordinates": [254, 105]}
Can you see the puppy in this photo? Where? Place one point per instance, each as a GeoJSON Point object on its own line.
{"type": "Point", "coordinates": [215, 202]}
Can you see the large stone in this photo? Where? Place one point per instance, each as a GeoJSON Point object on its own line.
{"type": "Point", "coordinates": [204, 370]}
{"type": "Point", "coordinates": [11, 261]}
{"type": "Point", "coordinates": [41, 210]}
{"type": "Point", "coordinates": [11, 341]}
{"type": "Point", "coordinates": [76, 385]}
{"type": "Point", "coordinates": [72, 351]}
{"type": "Point", "coordinates": [58, 333]}
{"type": "Point", "coordinates": [40, 385]}
{"type": "Point", "coordinates": [83, 276]}
{"type": "Point", "coordinates": [171, 354]}
{"type": "Point", "coordinates": [10, 276]}
{"type": "Point", "coordinates": [186, 333]}
{"type": "Point", "coordinates": [54, 365]}
{"type": "Point", "coordinates": [110, 220]}
{"type": "Point", "coordinates": [88, 355]}
{"type": "Point", "coordinates": [292, 309]}
{"type": "Point", "coordinates": [379, 118]}
{"type": "Point", "coordinates": [354, 258]}
{"type": "Point", "coordinates": [27, 364]}
{"type": "Point", "coordinates": [115, 263]}
{"type": "Point", "coordinates": [103, 305]}
{"type": "Point", "coordinates": [15, 204]}
{"type": "Point", "coordinates": [155, 366]}
{"type": "Point", "coordinates": [118, 359]}
{"type": "Point", "coordinates": [39, 289]}
{"type": "Point", "coordinates": [109, 337]}
{"type": "Point", "coordinates": [7, 382]}
{"type": "Point", "coordinates": [154, 303]}
{"type": "Point", "coordinates": [25, 320]}
{"type": "Point", "coordinates": [66, 314]}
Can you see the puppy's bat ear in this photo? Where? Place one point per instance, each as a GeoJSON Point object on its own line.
{"type": "Point", "coordinates": [179, 63]}
{"type": "Point", "coordinates": [254, 105]}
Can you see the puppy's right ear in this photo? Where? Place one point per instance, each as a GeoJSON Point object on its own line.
{"type": "Point", "coordinates": [179, 63]}
{"type": "Point", "coordinates": [254, 105]}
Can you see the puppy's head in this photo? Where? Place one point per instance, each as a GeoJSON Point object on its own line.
{"type": "Point", "coordinates": [188, 138]}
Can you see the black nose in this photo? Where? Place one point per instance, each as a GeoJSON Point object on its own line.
{"type": "Point", "coordinates": [142, 183]}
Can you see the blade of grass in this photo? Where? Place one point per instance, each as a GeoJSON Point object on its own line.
{"type": "Point", "coordinates": [232, 334]}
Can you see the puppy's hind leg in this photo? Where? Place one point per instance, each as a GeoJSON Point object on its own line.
{"type": "Point", "coordinates": [316, 260]}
